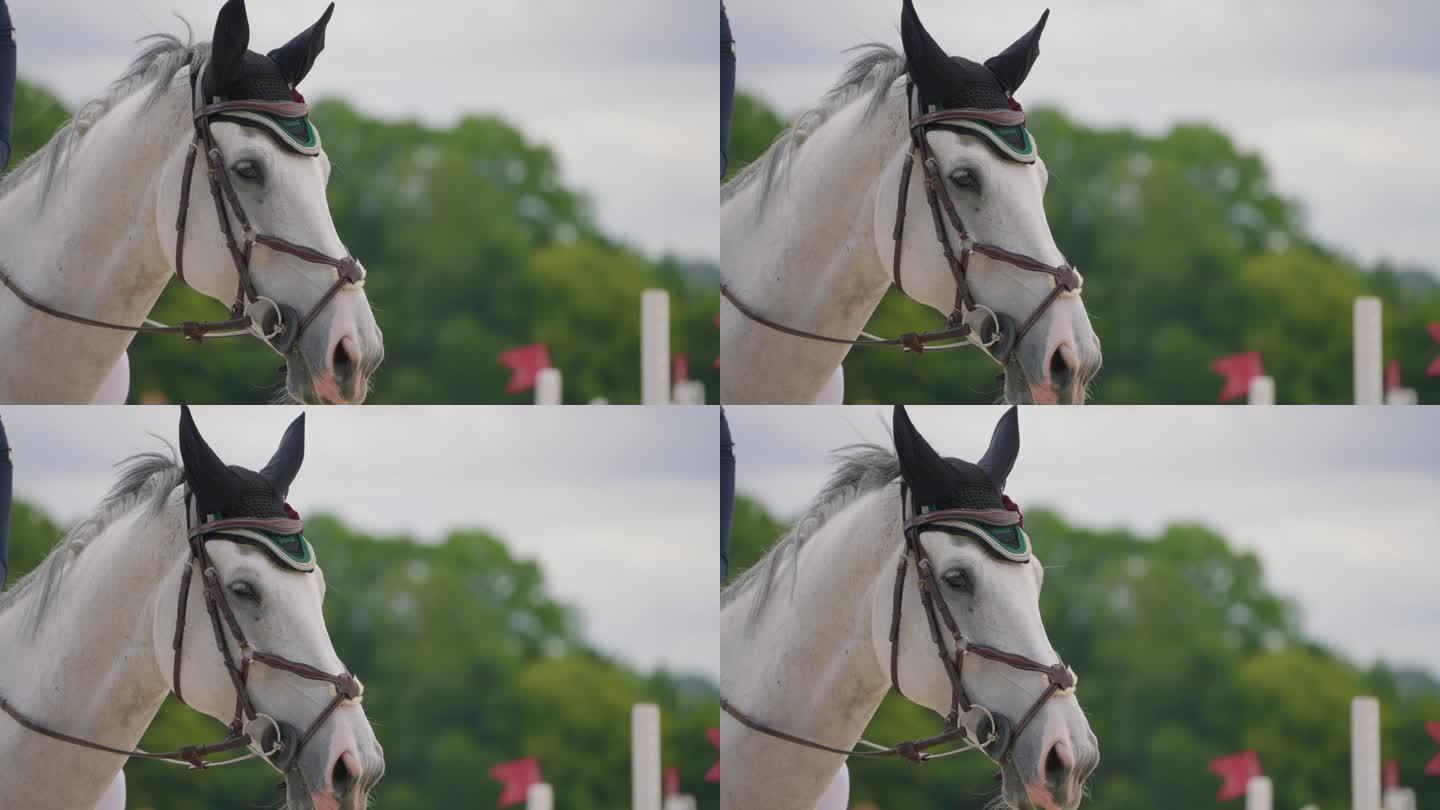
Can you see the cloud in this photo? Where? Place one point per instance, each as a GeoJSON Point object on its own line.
{"type": "Point", "coordinates": [627, 96]}
{"type": "Point", "coordinates": [1338, 503]}
{"type": "Point", "coordinates": [618, 504]}
{"type": "Point", "coordinates": [1337, 99]}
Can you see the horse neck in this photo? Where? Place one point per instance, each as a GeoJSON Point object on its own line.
{"type": "Point", "coordinates": [807, 664]}
{"type": "Point", "coordinates": [89, 669]}
{"type": "Point", "coordinates": [89, 247]}
{"type": "Point", "coordinates": [808, 256]}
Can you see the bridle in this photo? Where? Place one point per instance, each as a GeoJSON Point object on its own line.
{"type": "Point", "coordinates": [248, 728]}
{"type": "Point", "coordinates": [248, 313]}
{"type": "Point", "coordinates": [959, 328]}
{"type": "Point", "coordinates": [964, 721]}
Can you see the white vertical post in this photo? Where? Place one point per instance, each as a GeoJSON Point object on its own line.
{"type": "Point", "coordinates": [599, 401]}
{"type": "Point", "coordinates": [679, 802]}
{"type": "Point", "coordinates": [547, 387]}
{"type": "Point", "coordinates": [1368, 370]}
{"type": "Point", "coordinates": [1262, 391]}
{"type": "Point", "coordinates": [655, 349]}
{"type": "Point", "coordinates": [1310, 807]}
{"type": "Point", "coordinates": [539, 796]}
{"type": "Point", "coordinates": [645, 757]}
{"type": "Point", "coordinates": [1365, 753]}
{"type": "Point", "coordinates": [1258, 793]}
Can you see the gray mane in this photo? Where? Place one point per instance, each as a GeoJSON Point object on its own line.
{"type": "Point", "coordinates": [154, 68]}
{"type": "Point", "coordinates": [874, 70]}
{"type": "Point", "coordinates": [862, 469]}
{"type": "Point", "coordinates": [145, 480]}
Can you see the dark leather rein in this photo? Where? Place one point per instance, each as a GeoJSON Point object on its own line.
{"type": "Point", "coordinates": [1066, 279]}
{"type": "Point", "coordinates": [247, 315]}
{"type": "Point", "coordinates": [1061, 679]}
{"type": "Point", "coordinates": [248, 728]}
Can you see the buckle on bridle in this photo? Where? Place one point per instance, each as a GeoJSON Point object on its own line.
{"type": "Point", "coordinates": [977, 327]}
{"type": "Point", "coordinates": [255, 312]}
{"type": "Point", "coordinates": [256, 733]}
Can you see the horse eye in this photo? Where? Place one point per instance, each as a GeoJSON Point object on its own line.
{"type": "Point", "coordinates": [245, 590]}
{"type": "Point", "coordinates": [248, 169]}
{"type": "Point", "coordinates": [959, 579]}
{"type": "Point", "coordinates": [965, 179]}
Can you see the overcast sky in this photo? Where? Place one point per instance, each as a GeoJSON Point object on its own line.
{"type": "Point", "coordinates": [1341, 99]}
{"type": "Point", "coordinates": [1342, 505]}
{"type": "Point", "coordinates": [626, 92]}
{"type": "Point", "coordinates": [618, 504]}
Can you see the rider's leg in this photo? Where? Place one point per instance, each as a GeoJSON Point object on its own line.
{"type": "Point", "coordinates": [727, 492]}
{"type": "Point", "coordinates": [6, 483]}
{"type": "Point", "coordinates": [727, 87]}
{"type": "Point", "coordinates": [7, 81]}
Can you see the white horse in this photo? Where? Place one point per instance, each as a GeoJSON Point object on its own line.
{"type": "Point", "coordinates": [88, 224]}
{"type": "Point", "coordinates": [805, 634]}
{"type": "Point", "coordinates": [88, 642]}
{"type": "Point", "coordinates": [807, 230]}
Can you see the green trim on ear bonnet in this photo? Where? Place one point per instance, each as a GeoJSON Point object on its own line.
{"type": "Point", "coordinates": [295, 134]}
{"type": "Point", "coordinates": [290, 550]}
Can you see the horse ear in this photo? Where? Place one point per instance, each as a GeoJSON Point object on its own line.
{"type": "Point", "coordinates": [923, 469]}
{"type": "Point", "coordinates": [1004, 447]}
{"type": "Point", "coordinates": [203, 469]}
{"type": "Point", "coordinates": [1012, 65]}
{"type": "Point", "coordinates": [928, 64]}
{"type": "Point", "coordinates": [287, 459]}
{"type": "Point", "coordinates": [297, 56]}
{"type": "Point", "coordinates": [227, 48]}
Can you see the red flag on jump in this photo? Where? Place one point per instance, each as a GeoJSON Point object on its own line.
{"type": "Point", "coordinates": [672, 781]}
{"type": "Point", "coordinates": [1236, 770]}
{"type": "Point", "coordinates": [680, 368]}
{"type": "Point", "coordinates": [1392, 375]}
{"type": "Point", "coordinates": [1238, 370]}
{"type": "Point", "coordinates": [1392, 773]}
{"type": "Point", "coordinates": [713, 735]}
{"type": "Point", "coordinates": [524, 363]}
{"type": "Point", "coordinates": [516, 776]}
{"type": "Point", "coordinates": [1433, 370]}
{"type": "Point", "coordinates": [1432, 768]}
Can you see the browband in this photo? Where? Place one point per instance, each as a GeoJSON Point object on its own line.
{"type": "Point", "coordinates": [281, 538]}
{"type": "Point", "coordinates": [276, 525]}
{"type": "Point", "coordinates": [998, 529]}
{"type": "Point", "coordinates": [287, 122]}
{"type": "Point", "coordinates": [995, 517]}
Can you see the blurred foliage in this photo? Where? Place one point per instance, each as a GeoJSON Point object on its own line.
{"type": "Point", "coordinates": [473, 245]}
{"type": "Point", "coordinates": [467, 662]}
{"type": "Point", "coordinates": [1184, 655]}
{"type": "Point", "coordinates": [1188, 254]}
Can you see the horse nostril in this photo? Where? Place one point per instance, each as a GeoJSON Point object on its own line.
{"type": "Point", "coordinates": [342, 779]}
{"type": "Point", "coordinates": [342, 364]}
{"type": "Point", "coordinates": [1062, 374]}
{"type": "Point", "coordinates": [1057, 769]}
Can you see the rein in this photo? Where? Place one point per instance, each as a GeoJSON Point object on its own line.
{"type": "Point", "coordinates": [248, 728]}
{"type": "Point", "coordinates": [958, 327]}
{"type": "Point", "coordinates": [964, 721]}
{"type": "Point", "coordinates": [248, 313]}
